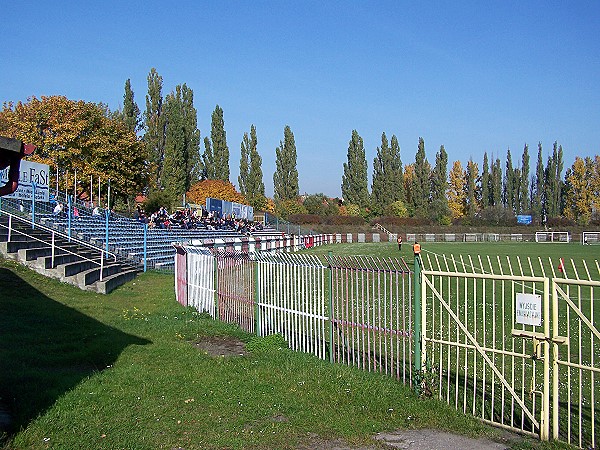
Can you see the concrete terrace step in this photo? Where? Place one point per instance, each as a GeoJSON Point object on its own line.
{"type": "Point", "coordinates": [112, 282]}
{"type": "Point", "coordinates": [73, 264]}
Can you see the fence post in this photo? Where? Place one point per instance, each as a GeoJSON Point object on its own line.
{"type": "Point", "coordinates": [53, 249]}
{"type": "Point", "coordinates": [69, 205]}
{"type": "Point", "coordinates": [330, 301]}
{"type": "Point", "coordinates": [106, 231]}
{"type": "Point", "coordinates": [145, 247]}
{"type": "Point", "coordinates": [417, 313]}
{"type": "Point", "coordinates": [34, 186]}
{"type": "Point", "coordinates": [102, 265]}
{"type": "Point", "coordinates": [256, 298]}
{"type": "Point", "coordinates": [216, 281]}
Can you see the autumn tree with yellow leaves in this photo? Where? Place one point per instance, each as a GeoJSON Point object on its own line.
{"type": "Point", "coordinates": [582, 196]}
{"type": "Point", "coordinates": [219, 189]}
{"type": "Point", "coordinates": [457, 194]}
{"type": "Point", "coordinates": [77, 135]}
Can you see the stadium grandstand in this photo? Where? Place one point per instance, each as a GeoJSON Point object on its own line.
{"type": "Point", "coordinates": [130, 238]}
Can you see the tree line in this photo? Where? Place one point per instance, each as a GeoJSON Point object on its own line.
{"type": "Point", "coordinates": [158, 152]}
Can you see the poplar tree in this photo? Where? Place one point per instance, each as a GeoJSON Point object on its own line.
{"type": "Point", "coordinates": [509, 184]}
{"type": "Point", "coordinates": [173, 173]}
{"type": "Point", "coordinates": [285, 178]}
{"type": "Point", "coordinates": [471, 175]}
{"type": "Point", "coordinates": [182, 167]}
{"type": "Point", "coordinates": [220, 151]}
{"type": "Point", "coordinates": [387, 175]}
{"type": "Point", "coordinates": [524, 199]}
{"type": "Point", "coordinates": [155, 125]}
{"type": "Point", "coordinates": [131, 112]}
{"type": "Point", "coordinates": [256, 186]}
{"type": "Point", "coordinates": [537, 201]}
{"type": "Point", "coordinates": [420, 185]}
{"type": "Point", "coordinates": [251, 177]}
{"type": "Point", "coordinates": [439, 185]}
{"type": "Point", "coordinates": [553, 184]}
{"type": "Point", "coordinates": [244, 164]}
{"type": "Point", "coordinates": [355, 178]}
{"type": "Point", "coordinates": [208, 161]}
{"type": "Point", "coordinates": [496, 184]}
{"type": "Point", "coordinates": [485, 182]}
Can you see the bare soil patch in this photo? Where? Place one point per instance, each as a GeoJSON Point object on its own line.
{"type": "Point", "coordinates": [216, 346]}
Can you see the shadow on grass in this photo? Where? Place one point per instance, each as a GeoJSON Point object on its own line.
{"type": "Point", "coordinates": [46, 349]}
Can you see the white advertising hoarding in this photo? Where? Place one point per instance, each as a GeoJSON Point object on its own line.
{"type": "Point", "coordinates": [30, 172]}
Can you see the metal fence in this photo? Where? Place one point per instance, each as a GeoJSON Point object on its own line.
{"type": "Point", "coordinates": [515, 342]}
{"type": "Point", "coordinates": [355, 311]}
{"type": "Point", "coordinates": [512, 341]}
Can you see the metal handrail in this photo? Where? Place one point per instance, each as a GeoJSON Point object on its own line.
{"type": "Point", "coordinates": [57, 232]}
{"type": "Point", "coordinates": [103, 253]}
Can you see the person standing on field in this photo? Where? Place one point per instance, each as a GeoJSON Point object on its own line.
{"type": "Point", "coordinates": [399, 243]}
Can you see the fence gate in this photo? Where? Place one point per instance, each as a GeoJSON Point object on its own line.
{"type": "Point", "coordinates": [576, 361]}
{"type": "Point", "coordinates": [513, 349]}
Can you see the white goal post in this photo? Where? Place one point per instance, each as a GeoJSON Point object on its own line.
{"type": "Point", "coordinates": [553, 236]}
{"type": "Point", "coordinates": [590, 237]}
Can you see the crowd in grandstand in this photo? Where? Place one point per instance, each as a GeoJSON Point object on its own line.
{"type": "Point", "coordinates": [191, 219]}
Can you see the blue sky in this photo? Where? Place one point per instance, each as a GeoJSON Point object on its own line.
{"type": "Point", "coordinates": [473, 76]}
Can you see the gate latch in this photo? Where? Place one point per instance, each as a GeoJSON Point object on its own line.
{"type": "Point", "coordinates": [536, 336]}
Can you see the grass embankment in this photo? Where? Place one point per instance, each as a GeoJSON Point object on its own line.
{"type": "Point", "coordinates": [83, 370]}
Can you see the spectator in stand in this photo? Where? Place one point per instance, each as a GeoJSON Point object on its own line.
{"type": "Point", "coordinates": [76, 213]}
{"type": "Point", "coordinates": [96, 212]}
{"type": "Point", "coordinates": [58, 209]}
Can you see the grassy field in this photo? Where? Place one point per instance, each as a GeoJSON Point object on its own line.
{"type": "Point", "coordinates": [82, 370]}
{"type": "Point", "coordinates": [522, 249]}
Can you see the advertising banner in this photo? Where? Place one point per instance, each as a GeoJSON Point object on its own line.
{"type": "Point", "coordinates": [30, 172]}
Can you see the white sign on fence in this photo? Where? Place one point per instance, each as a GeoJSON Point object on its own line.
{"type": "Point", "coordinates": [30, 172]}
{"type": "Point", "coordinates": [528, 309]}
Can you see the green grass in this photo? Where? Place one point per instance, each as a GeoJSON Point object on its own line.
{"type": "Point", "coordinates": [486, 308]}
{"type": "Point", "coordinates": [522, 249]}
{"type": "Point", "coordinates": [83, 370]}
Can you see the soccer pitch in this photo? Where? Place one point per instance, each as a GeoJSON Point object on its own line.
{"type": "Point", "coordinates": [523, 250]}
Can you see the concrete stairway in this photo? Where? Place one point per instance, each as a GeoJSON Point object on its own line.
{"type": "Point", "coordinates": [71, 263]}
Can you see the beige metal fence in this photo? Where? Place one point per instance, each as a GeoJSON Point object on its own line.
{"type": "Point", "coordinates": [515, 342]}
